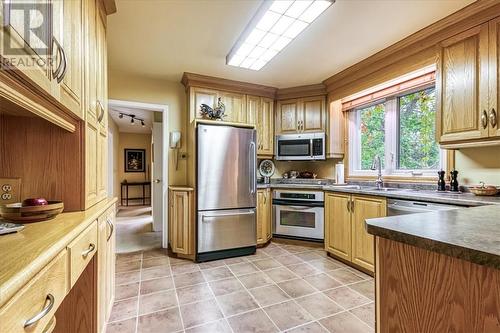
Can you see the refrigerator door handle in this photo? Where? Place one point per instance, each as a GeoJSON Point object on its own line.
{"type": "Point", "coordinates": [252, 167]}
{"type": "Point", "coordinates": [205, 217]}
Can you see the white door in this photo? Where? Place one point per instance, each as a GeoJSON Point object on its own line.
{"type": "Point", "coordinates": [157, 179]}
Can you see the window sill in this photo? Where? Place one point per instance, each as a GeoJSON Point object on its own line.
{"type": "Point", "coordinates": [396, 179]}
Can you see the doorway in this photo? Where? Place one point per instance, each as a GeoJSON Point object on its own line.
{"type": "Point", "coordinates": [138, 173]}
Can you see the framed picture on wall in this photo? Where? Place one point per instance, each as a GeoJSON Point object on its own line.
{"type": "Point", "coordinates": [135, 160]}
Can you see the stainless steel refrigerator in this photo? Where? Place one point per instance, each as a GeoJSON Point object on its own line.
{"type": "Point", "coordinates": [226, 188]}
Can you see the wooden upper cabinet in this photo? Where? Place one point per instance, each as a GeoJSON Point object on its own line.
{"type": "Point", "coordinates": [462, 83]}
{"type": "Point", "coordinates": [494, 78]}
{"type": "Point", "coordinates": [235, 107]}
{"type": "Point", "coordinates": [29, 56]}
{"type": "Point", "coordinates": [300, 115]}
{"type": "Point", "coordinates": [252, 110]}
{"type": "Point", "coordinates": [265, 132]}
{"type": "Point", "coordinates": [261, 109]}
{"type": "Point", "coordinates": [287, 116]}
{"type": "Point", "coordinates": [68, 44]}
{"type": "Point", "coordinates": [338, 225]}
{"type": "Point", "coordinates": [362, 249]}
{"type": "Point", "coordinates": [95, 104]}
{"type": "Point", "coordinates": [335, 143]}
{"type": "Point", "coordinates": [313, 114]}
{"type": "Point", "coordinates": [199, 96]}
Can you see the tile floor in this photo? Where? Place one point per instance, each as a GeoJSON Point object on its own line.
{"type": "Point", "coordinates": [282, 288]}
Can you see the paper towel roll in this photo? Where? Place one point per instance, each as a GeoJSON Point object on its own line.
{"type": "Point", "coordinates": [339, 173]}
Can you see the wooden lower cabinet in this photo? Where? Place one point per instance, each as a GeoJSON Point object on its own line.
{"type": "Point", "coordinates": [345, 233]}
{"type": "Point", "coordinates": [106, 267]}
{"type": "Point", "coordinates": [338, 225]}
{"type": "Point", "coordinates": [181, 224]}
{"type": "Point", "coordinates": [264, 216]}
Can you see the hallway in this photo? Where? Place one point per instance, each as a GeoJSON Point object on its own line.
{"type": "Point", "coordinates": [134, 230]}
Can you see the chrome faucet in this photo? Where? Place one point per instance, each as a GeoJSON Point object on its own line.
{"type": "Point", "coordinates": [376, 164]}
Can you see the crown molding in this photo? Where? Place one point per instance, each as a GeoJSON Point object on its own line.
{"type": "Point", "coordinates": [205, 81]}
{"type": "Point", "coordinates": [301, 91]}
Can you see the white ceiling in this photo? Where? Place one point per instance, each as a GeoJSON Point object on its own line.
{"type": "Point", "coordinates": [124, 125]}
{"type": "Point", "coordinates": [164, 38]}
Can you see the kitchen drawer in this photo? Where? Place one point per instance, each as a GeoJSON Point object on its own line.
{"type": "Point", "coordinates": [81, 251]}
{"type": "Point", "coordinates": [38, 298]}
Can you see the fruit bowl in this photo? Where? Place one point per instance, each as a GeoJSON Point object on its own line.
{"type": "Point", "coordinates": [29, 214]}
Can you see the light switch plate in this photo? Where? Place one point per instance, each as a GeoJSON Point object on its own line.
{"type": "Point", "coordinates": [10, 190]}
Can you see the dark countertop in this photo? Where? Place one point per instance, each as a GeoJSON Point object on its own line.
{"type": "Point", "coordinates": [471, 234]}
{"type": "Point", "coordinates": [463, 199]}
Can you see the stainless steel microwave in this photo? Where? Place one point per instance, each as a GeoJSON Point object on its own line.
{"type": "Point", "coordinates": [300, 147]}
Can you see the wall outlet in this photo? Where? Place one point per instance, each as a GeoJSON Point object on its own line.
{"type": "Point", "coordinates": [10, 190]}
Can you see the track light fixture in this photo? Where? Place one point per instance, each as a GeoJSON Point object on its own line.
{"type": "Point", "coordinates": [133, 118]}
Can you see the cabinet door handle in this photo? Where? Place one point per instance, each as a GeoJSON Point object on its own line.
{"type": "Point", "coordinates": [65, 66]}
{"type": "Point", "coordinates": [89, 250]}
{"type": "Point", "coordinates": [352, 206]}
{"type": "Point", "coordinates": [56, 72]}
{"type": "Point", "coordinates": [484, 119]}
{"type": "Point", "coordinates": [101, 115]}
{"type": "Point", "coordinates": [493, 118]}
{"type": "Point", "coordinates": [265, 198]}
{"type": "Point", "coordinates": [112, 227]}
{"type": "Point", "coordinates": [349, 206]}
{"type": "Point", "coordinates": [33, 320]}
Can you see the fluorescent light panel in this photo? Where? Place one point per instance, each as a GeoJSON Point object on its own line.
{"type": "Point", "coordinates": [273, 31]}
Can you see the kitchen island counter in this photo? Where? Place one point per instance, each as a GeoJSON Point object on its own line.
{"type": "Point", "coordinates": [438, 271]}
{"type": "Point", "coordinates": [471, 234]}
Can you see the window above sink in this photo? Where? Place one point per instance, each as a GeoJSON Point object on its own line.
{"type": "Point", "coordinates": [397, 123]}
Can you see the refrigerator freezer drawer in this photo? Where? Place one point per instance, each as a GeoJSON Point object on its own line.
{"type": "Point", "coordinates": [226, 229]}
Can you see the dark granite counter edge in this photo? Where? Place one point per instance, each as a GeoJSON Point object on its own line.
{"type": "Point", "coordinates": [466, 200]}
{"type": "Point", "coordinates": [452, 250]}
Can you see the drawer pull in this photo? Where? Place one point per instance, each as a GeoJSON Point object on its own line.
{"type": "Point", "coordinates": [41, 314]}
{"type": "Point", "coordinates": [89, 250]}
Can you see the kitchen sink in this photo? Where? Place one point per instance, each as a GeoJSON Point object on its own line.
{"type": "Point", "coordinates": [384, 189]}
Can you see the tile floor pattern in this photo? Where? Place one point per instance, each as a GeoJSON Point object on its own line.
{"type": "Point", "coordinates": [282, 288]}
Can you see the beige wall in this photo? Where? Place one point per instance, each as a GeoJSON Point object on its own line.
{"type": "Point", "coordinates": [134, 141]}
{"type": "Point", "coordinates": [478, 164]}
{"type": "Point", "coordinates": [116, 158]}
{"type": "Point", "coordinates": [140, 89]}
{"type": "Point", "coordinates": [324, 169]}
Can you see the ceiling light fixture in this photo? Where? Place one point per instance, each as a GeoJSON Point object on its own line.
{"type": "Point", "coordinates": [133, 118]}
{"type": "Point", "coordinates": [273, 27]}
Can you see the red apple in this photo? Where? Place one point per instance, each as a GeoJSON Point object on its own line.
{"type": "Point", "coordinates": [35, 202]}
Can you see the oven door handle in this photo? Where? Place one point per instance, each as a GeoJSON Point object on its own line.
{"type": "Point", "coordinates": [299, 208]}
{"type": "Point", "coordinates": [296, 203]}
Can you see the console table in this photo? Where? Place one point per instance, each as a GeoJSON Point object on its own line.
{"type": "Point", "coordinates": [145, 195]}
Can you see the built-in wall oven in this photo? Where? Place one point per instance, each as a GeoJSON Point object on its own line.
{"type": "Point", "coordinates": [298, 214]}
{"type": "Point", "coordinates": [300, 147]}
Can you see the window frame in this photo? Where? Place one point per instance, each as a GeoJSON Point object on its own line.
{"type": "Point", "coordinates": [392, 141]}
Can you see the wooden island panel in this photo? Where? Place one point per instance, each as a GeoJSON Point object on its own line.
{"type": "Point", "coordinates": [423, 291]}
